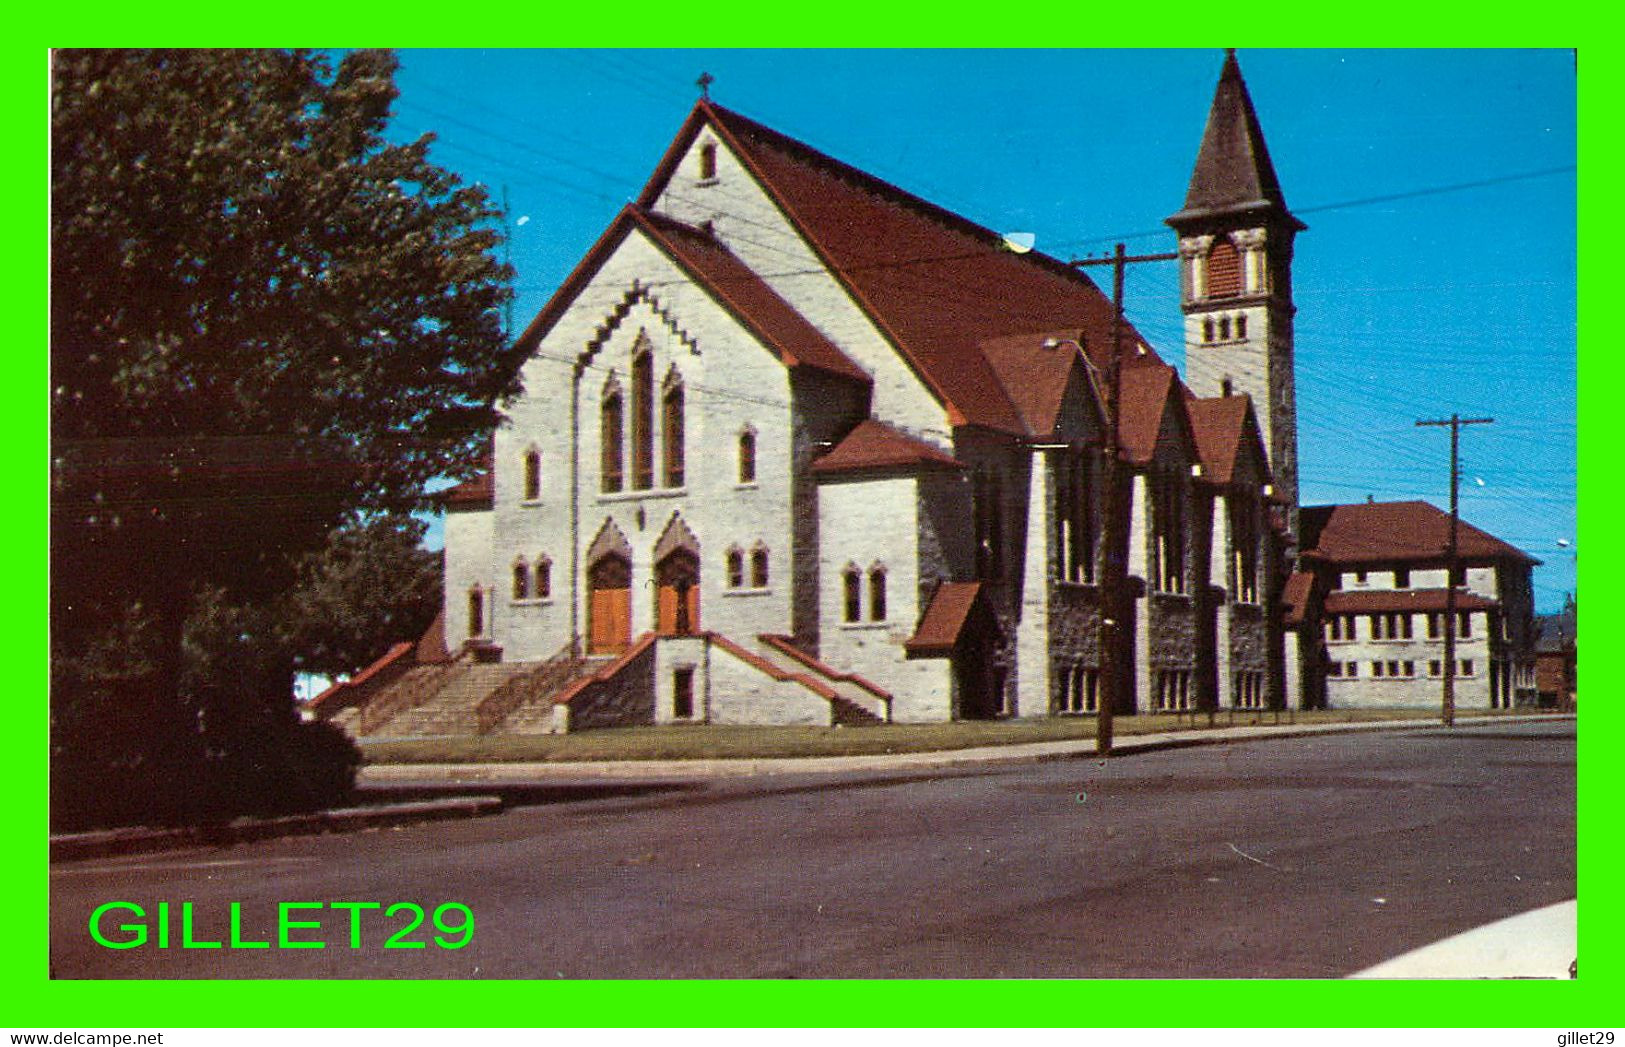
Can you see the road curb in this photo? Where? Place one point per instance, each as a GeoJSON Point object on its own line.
{"type": "Point", "coordinates": [111, 842]}
{"type": "Point", "coordinates": [703, 769]}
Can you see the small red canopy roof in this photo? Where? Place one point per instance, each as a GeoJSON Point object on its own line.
{"type": "Point", "coordinates": [944, 620]}
{"type": "Point", "coordinates": [875, 445]}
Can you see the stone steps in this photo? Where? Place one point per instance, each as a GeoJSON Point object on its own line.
{"type": "Point", "coordinates": [450, 710]}
{"type": "Point", "coordinates": [855, 705]}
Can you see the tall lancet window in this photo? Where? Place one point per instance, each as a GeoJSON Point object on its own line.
{"type": "Point", "coordinates": [1244, 540]}
{"type": "Point", "coordinates": [672, 430]}
{"type": "Point", "coordinates": [747, 457]}
{"type": "Point", "coordinates": [643, 420]}
{"type": "Point", "coordinates": [533, 475]}
{"type": "Point", "coordinates": [611, 423]}
{"type": "Point", "coordinates": [1168, 528]}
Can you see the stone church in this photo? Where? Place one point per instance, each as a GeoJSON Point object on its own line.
{"type": "Point", "coordinates": [799, 447]}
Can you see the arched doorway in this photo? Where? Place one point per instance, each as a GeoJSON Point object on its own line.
{"type": "Point", "coordinates": [609, 605]}
{"type": "Point", "coordinates": [677, 609]}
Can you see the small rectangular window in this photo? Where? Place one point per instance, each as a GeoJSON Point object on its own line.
{"type": "Point", "coordinates": [1410, 668]}
{"type": "Point", "coordinates": [1402, 579]}
{"type": "Point", "coordinates": [1376, 668]}
{"type": "Point", "coordinates": [1335, 669]}
{"type": "Point", "coordinates": [1435, 667]}
{"type": "Point", "coordinates": [682, 693]}
{"type": "Point", "coordinates": [1466, 667]}
{"type": "Point", "coordinates": [1353, 669]}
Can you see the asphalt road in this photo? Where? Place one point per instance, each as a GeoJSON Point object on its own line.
{"type": "Point", "coordinates": [1308, 857]}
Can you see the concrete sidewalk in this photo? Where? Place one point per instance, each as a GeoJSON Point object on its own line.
{"type": "Point", "coordinates": [691, 770]}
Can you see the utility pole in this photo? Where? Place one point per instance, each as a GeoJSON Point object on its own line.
{"type": "Point", "coordinates": [1455, 422]}
{"type": "Point", "coordinates": [507, 260]}
{"type": "Point", "coordinates": [1114, 569]}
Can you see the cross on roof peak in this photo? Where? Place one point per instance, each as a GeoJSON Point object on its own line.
{"type": "Point", "coordinates": [704, 84]}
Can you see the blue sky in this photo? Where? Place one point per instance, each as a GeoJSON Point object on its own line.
{"type": "Point", "coordinates": [1437, 275]}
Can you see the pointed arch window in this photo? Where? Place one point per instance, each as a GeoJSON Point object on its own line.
{"type": "Point", "coordinates": [532, 469]}
{"type": "Point", "coordinates": [1223, 270]}
{"type": "Point", "coordinates": [643, 420]}
{"type": "Point", "coordinates": [852, 584]}
{"type": "Point", "coordinates": [544, 578]}
{"type": "Point", "coordinates": [736, 569]}
{"type": "Point", "coordinates": [672, 431]}
{"type": "Point", "coordinates": [1245, 536]}
{"type": "Point", "coordinates": [521, 580]}
{"type": "Point", "coordinates": [747, 457]}
{"type": "Point", "coordinates": [1075, 527]}
{"type": "Point", "coordinates": [611, 420]}
{"type": "Point", "coordinates": [1168, 528]}
{"type": "Point", "coordinates": [758, 567]}
{"type": "Point", "coordinates": [877, 593]}
{"type": "Point", "coordinates": [476, 613]}
{"type": "Point", "coordinates": [708, 161]}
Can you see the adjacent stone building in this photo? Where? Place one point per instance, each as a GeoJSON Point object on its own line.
{"type": "Point", "coordinates": [1379, 575]}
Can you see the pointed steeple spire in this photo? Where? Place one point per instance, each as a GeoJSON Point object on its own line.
{"type": "Point", "coordinates": [1233, 171]}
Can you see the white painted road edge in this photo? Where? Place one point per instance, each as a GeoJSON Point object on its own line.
{"type": "Point", "coordinates": [1538, 944]}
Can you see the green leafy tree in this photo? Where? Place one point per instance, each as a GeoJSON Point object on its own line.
{"type": "Point", "coordinates": [264, 315]}
{"type": "Point", "coordinates": [372, 585]}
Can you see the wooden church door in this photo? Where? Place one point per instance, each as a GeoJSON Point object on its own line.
{"type": "Point", "coordinates": [677, 610]}
{"type": "Point", "coordinates": [609, 606]}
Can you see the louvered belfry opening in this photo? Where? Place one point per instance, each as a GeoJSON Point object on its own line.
{"type": "Point", "coordinates": [1223, 270]}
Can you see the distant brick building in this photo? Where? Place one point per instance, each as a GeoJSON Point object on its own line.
{"type": "Point", "coordinates": [797, 446]}
{"type": "Point", "coordinates": [1557, 657]}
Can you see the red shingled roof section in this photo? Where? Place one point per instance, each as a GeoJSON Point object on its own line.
{"type": "Point", "coordinates": [944, 619]}
{"type": "Point", "coordinates": [796, 341]}
{"type": "Point", "coordinates": [876, 445]}
{"type": "Point", "coordinates": [1366, 601]}
{"type": "Point", "coordinates": [1034, 377]}
{"type": "Point", "coordinates": [1300, 586]}
{"type": "Point", "coordinates": [1218, 424]}
{"type": "Point", "coordinates": [1394, 532]}
{"type": "Point", "coordinates": [477, 493]}
{"type": "Point", "coordinates": [1143, 397]}
{"type": "Point", "coordinates": [937, 284]}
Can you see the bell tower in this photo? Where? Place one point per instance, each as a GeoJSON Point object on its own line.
{"type": "Point", "coordinates": [1235, 247]}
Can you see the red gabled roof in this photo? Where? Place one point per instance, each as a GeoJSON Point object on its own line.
{"type": "Point", "coordinates": [1218, 425]}
{"type": "Point", "coordinates": [876, 445]}
{"type": "Point", "coordinates": [935, 283]}
{"type": "Point", "coordinates": [1368, 601]}
{"type": "Point", "coordinates": [1300, 586]}
{"type": "Point", "coordinates": [944, 620]}
{"type": "Point", "coordinates": [1144, 389]}
{"type": "Point", "coordinates": [1394, 532]}
{"type": "Point", "coordinates": [477, 493]}
{"type": "Point", "coordinates": [710, 264]}
{"type": "Point", "coordinates": [1033, 370]}
{"type": "Point", "coordinates": [744, 294]}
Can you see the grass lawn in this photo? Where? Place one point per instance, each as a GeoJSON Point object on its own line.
{"type": "Point", "coordinates": [698, 741]}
